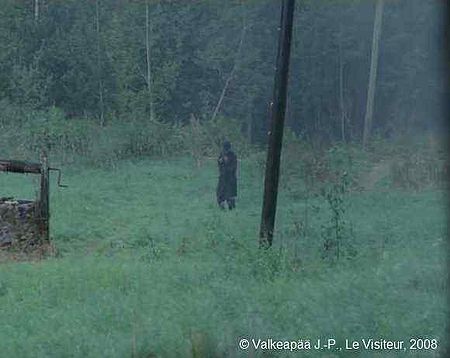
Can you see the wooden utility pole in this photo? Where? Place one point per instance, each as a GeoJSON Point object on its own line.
{"type": "Point", "coordinates": [277, 124]}
{"type": "Point", "coordinates": [373, 71]}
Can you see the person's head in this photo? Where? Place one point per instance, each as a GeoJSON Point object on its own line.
{"type": "Point", "coordinates": [226, 146]}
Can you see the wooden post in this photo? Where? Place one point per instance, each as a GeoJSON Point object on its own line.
{"type": "Point", "coordinates": [44, 202]}
{"type": "Point", "coordinates": [18, 166]}
{"type": "Point", "coordinates": [277, 124]}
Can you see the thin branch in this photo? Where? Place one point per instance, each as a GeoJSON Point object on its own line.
{"type": "Point", "coordinates": [233, 70]}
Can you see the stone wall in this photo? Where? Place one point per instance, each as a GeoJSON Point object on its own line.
{"type": "Point", "coordinates": [18, 224]}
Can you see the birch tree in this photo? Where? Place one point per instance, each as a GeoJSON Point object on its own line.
{"type": "Point", "coordinates": [147, 51]}
{"type": "Point", "coordinates": [373, 71]}
{"type": "Point", "coordinates": [99, 65]}
{"type": "Point", "coordinates": [341, 85]}
{"type": "Point", "coordinates": [36, 10]}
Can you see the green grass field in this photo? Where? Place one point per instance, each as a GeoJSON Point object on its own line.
{"type": "Point", "coordinates": [148, 266]}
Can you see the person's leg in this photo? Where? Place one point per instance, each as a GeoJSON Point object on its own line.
{"type": "Point", "coordinates": [231, 203]}
{"type": "Point", "coordinates": [220, 199]}
{"type": "Point", "coordinates": [222, 204]}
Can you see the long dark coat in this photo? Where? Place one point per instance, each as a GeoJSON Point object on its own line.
{"type": "Point", "coordinates": [227, 186]}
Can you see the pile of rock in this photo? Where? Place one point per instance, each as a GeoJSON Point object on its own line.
{"type": "Point", "coordinates": [19, 224]}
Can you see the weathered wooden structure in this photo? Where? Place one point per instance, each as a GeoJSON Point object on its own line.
{"type": "Point", "coordinates": [25, 223]}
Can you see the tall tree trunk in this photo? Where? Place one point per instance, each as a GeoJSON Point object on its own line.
{"type": "Point", "coordinates": [149, 69]}
{"type": "Point", "coordinates": [36, 10]}
{"type": "Point", "coordinates": [341, 86]}
{"type": "Point", "coordinates": [373, 71]}
{"type": "Point", "coordinates": [99, 66]}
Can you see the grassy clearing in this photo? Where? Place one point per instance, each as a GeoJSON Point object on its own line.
{"type": "Point", "coordinates": [148, 264]}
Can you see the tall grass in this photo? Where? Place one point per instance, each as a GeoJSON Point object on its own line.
{"type": "Point", "coordinates": [148, 266]}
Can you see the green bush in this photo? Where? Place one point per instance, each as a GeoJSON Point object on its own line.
{"type": "Point", "coordinates": [69, 140]}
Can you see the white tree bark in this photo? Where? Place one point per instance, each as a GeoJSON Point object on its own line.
{"type": "Point", "coordinates": [373, 71]}
{"type": "Point", "coordinates": [341, 86]}
{"type": "Point", "coordinates": [99, 65]}
{"type": "Point", "coordinates": [36, 10]}
{"type": "Point", "coordinates": [149, 70]}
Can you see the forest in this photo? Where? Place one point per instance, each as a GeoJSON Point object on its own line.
{"type": "Point", "coordinates": [117, 60]}
{"type": "Point", "coordinates": [132, 102]}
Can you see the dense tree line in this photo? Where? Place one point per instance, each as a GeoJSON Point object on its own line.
{"type": "Point", "coordinates": [172, 60]}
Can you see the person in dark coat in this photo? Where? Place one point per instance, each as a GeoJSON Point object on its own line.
{"type": "Point", "coordinates": [227, 186]}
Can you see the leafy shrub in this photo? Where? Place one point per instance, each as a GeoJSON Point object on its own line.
{"type": "Point", "coordinates": [419, 170]}
{"type": "Point", "coordinates": [68, 140]}
{"type": "Point", "coordinates": [337, 232]}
